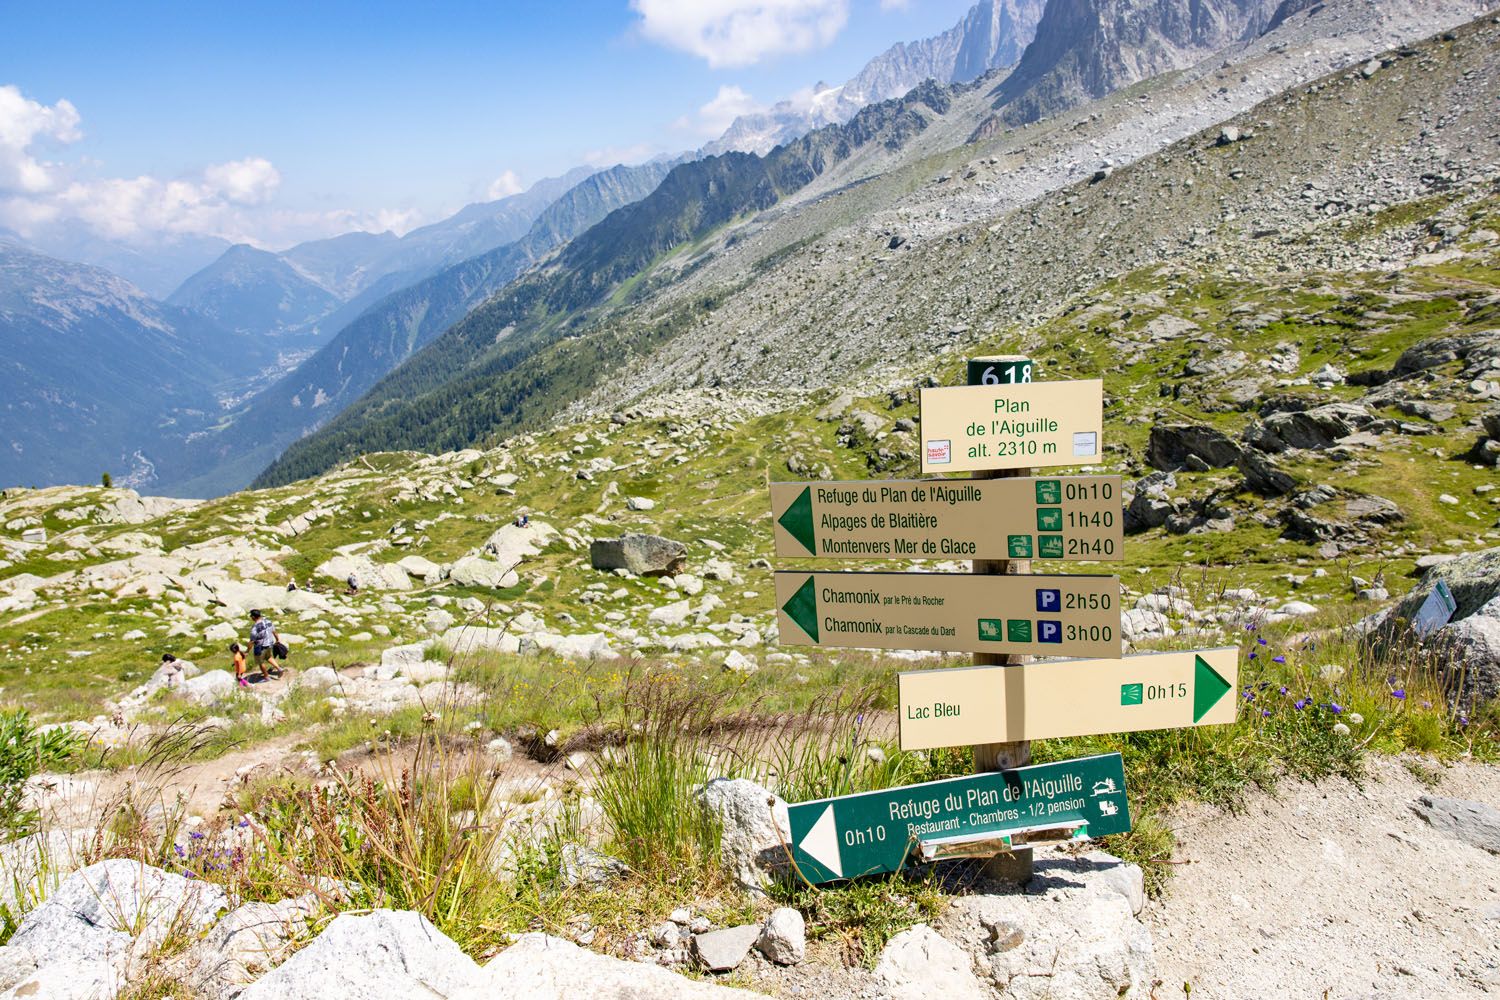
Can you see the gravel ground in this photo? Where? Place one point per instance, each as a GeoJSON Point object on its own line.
{"type": "Point", "coordinates": [1333, 890]}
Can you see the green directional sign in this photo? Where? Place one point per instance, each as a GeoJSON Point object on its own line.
{"type": "Point", "coordinates": [1062, 615]}
{"type": "Point", "coordinates": [951, 707]}
{"type": "Point", "coordinates": [950, 518]}
{"type": "Point", "coordinates": [881, 831]}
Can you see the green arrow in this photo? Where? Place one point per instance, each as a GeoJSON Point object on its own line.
{"type": "Point", "coordinates": [1208, 688]}
{"type": "Point", "coordinates": [803, 608]}
{"type": "Point", "coordinates": [797, 519]}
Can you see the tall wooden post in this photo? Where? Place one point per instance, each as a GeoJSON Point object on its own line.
{"type": "Point", "coordinates": [1016, 866]}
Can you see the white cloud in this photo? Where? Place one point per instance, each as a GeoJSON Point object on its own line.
{"type": "Point", "coordinates": [894, 4]}
{"type": "Point", "coordinates": [611, 155]}
{"type": "Point", "coordinates": [251, 181]}
{"type": "Point", "coordinates": [233, 200]}
{"type": "Point", "coordinates": [504, 186]}
{"type": "Point", "coordinates": [718, 114]}
{"type": "Point", "coordinates": [24, 122]}
{"type": "Point", "coordinates": [741, 32]}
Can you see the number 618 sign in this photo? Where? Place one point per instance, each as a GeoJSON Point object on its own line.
{"type": "Point", "coordinates": [999, 372]}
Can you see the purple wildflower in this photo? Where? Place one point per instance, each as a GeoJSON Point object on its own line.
{"type": "Point", "coordinates": [1300, 704]}
{"type": "Point", "coordinates": [1260, 640]}
{"type": "Point", "coordinates": [1283, 690]}
{"type": "Point", "coordinates": [1335, 707]}
{"type": "Point", "coordinates": [1278, 659]}
{"type": "Point", "coordinates": [1265, 713]}
{"type": "Point", "coordinates": [1399, 694]}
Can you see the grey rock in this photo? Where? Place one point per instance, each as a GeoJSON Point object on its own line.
{"type": "Point", "coordinates": [385, 953]}
{"type": "Point", "coordinates": [1318, 428]}
{"type": "Point", "coordinates": [920, 964]}
{"type": "Point", "coordinates": [245, 943]}
{"type": "Point", "coordinates": [99, 920]}
{"type": "Point", "coordinates": [1491, 423]}
{"type": "Point", "coordinates": [541, 967]}
{"type": "Point", "coordinates": [1173, 446]}
{"type": "Point", "coordinates": [1474, 823]}
{"type": "Point", "coordinates": [586, 866]}
{"type": "Point", "coordinates": [723, 951]}
{"type": "Point", "coordinates": [783, 939]}
{"type": "Point", "coordinates": [479, 571]}
{"type": "Point", "coordinates": [1263, 475]}
{"type": "Point", "coordinates": [641, 554]}
{"type": "Point", "coordinates": [755, 827]}
{"type": "Point", "coordinates": [209, 687]}
{"type": "Point", "coordinates": [1074, 933]}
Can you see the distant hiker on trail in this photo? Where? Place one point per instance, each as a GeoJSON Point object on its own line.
{"type": "Point", "coordinates": [172, 669]}
{"type": "Point", "coordinates": [263, 640]}
{"type": "Point", "coordinates": [353, 582]}
{"type": "Point", "coordinates": [239, 664]}
{"type": "Point", "coordinates": [291, 585]}
{"type": "Point", "coordinates": [522, 520]}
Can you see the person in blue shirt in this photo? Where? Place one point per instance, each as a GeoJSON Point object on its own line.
{"type": "Point", "coordinates": [263, 640]}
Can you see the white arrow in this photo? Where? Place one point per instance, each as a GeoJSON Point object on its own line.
{"type": "Point", "coordinates": [822, 843]}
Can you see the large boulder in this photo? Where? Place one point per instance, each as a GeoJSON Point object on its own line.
{"type": "Point", "coordinates": [540, 967]}
{"type": "Point", "coordinates": [370, 574]}
{"type": "Point", "coordinates": [643, 555]}
{"type": "Point", "coordinates": [1468, 645]}
{"type": "Point", "coordinates": [1190, 446]}
{"type": "Point", "coordinates": [1318, 428]}
{"type": "Point", "coordinates": [1073, 933]}
{"type": "Point", "coordinates": [755, 825]}
{"type": "Point", "coordinates": [920, 964]}
{"type": "Point", "coordinates": [245, 943]}
{"type": "Point", "coordinates": [209, 687]}
{"type": "Point", "coordinates": [1264, 476]}
{"type": "Point", "coordinates": [422, 568]}
{"type": "Point", "coordinates": [515, 543]}
{"type": "Point", "coordinates": [479, 571]}
{"type": "Point", "coordinates": [470, 638]}
{"type": "Point", "coordinates": [80, 941]}
{"type": "Point", "coordinates": [385, 953]}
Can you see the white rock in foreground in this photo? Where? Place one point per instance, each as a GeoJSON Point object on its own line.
{"type": "Point", "coordinates": [385, 954]}
{"type": "Point", "coordinates": [79, 942]}
{"type": "Point", "coordinates": [920, 964]}
{"type": "Point", "coordinates": [539, 967]}
{"type": "Point", "coordinates": [755, 827]}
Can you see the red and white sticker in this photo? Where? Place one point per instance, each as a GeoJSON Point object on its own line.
{"type": "Point", "coordinates": [939, 452]}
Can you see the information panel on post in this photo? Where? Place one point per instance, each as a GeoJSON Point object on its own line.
{"type": "Point", "coordinates": [975, 428]}
{"type": "Point", "coordinates": [1063, 615]}
{"type": "Point", "coordinates": [1058, 517]}
{"type": "Point", "coordinates": [957, 706]}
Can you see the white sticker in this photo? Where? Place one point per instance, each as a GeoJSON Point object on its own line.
{"type": "Point", "coordinates": [1436, 611]}
{"type": "Point", "coordinates": [939, 452]}
{"type": "Point", "coordinates": [1085, 443]}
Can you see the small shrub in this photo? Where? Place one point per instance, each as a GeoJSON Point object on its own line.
{"type": "Point", "coordinates": [25, 751]}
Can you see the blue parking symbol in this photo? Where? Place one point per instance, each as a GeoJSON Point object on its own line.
{"type": "Point", "coordinates": [1048, 631]}
{"type": "Point", "coordinates": [1049, 600]}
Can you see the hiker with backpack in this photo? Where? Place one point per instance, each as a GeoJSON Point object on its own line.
{"type": "Point", "coordinates": [266, 645]}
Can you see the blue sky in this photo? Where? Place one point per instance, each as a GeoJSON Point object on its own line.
{"type": "Point", "coordinates": [279, 121]}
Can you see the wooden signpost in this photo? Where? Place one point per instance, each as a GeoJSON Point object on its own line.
{"type": "Point", "coordinates": [1000, 427]}
{"type": "Point", "coordinates": [971, 705]}
{"type": "Point", "coordinates": [1059, 517]}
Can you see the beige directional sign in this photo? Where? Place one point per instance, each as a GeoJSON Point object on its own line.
{"type": "Point", "coordinates": [1046, 615]}
{"type": "Point", "coordinates": [972, 428]}
{"type": "Point", "coordinates": [963, 705]}
{"type": "Point", "coordinates": [1063, 517]}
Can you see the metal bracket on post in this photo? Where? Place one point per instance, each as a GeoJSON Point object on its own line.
{"type": "Point", "coordinates": [1014, 864]}
{"type": "Point", "coordinates": [989, 845]}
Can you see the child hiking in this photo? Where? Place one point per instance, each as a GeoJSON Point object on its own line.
{"type": "Point", "coordinates": [239, 664]}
